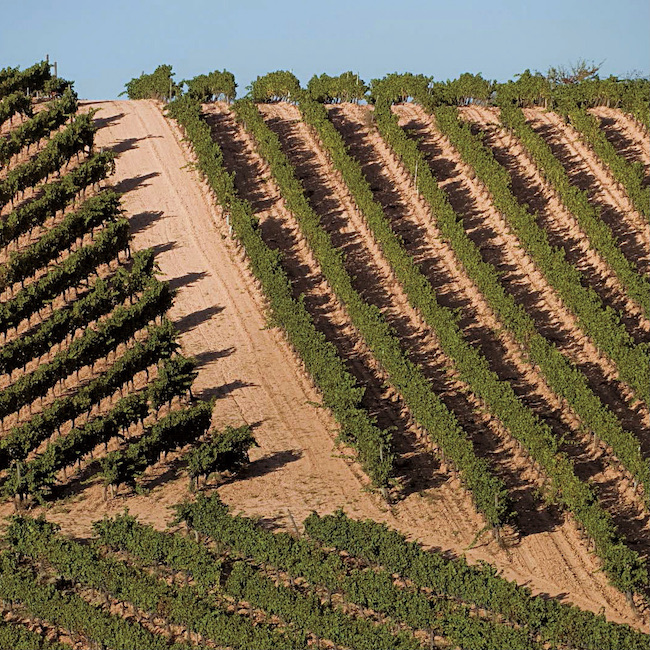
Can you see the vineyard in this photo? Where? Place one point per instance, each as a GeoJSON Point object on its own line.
{"type": "Point", "coordinates": [403, 326]}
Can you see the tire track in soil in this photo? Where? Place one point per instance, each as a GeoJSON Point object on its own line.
{"type": "Point", "coordinates": [221, 310]}
{"type": "Point", "coordinates": [329, 198]}
{"type": "Point", "coordinates": [415, 223]}
{"type": "Point", "coordinates": [518, 274]}
{"type": "Point", "coordinates": [561, 226]}
{"type": "Point", "coordinates": [587, 172]}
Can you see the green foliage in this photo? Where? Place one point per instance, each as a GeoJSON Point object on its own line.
{"type": "Point", "coordinates": [347, 87]}
{"type": "Point", "coordinates": [243, 582]}
{"type": "Point", "coordinates": [15, 636]}
{"type": "Point", "coordinates": [395, 88]}
{"type": "Point", "coordinates": [24, 438]}
{"type": "Point", "coordinates": [473, 367]}
{"type": "Point", "coordinates": [468, 88]}
{"type": "Point", "coordinates": [93, 344]}
{"type": "Point", "coordinates": [175, 430]}
{"type": "Point", "coordinates": [31, 80]}
{"type": "Point", "coordinates": [94, 213]}
{"type": "Point", "coordinates": [157, 85]}
{"type": "Point", "coordinates": [528, 90]}
{"type": "Point", "coordinates": [15, 104]}
{"type": "Point", "coordinates": [105, 295]}
{"type": "Point", "coordinates": [73, 140]}
{"type": "Point", "coordinates": [629, 175]}
{"type": "Point", "coordinates": [38, 127]}
{"type": "Point", "coordinates": [577, 200]}
{"type": "Point", "coordinates": [56, 196]}
{"type": "Point", "coordinates": [37, 539]}
{"type": "Point", "coordinates": [598, 321]}
{"type": "Point", "coordinates": [561, 375]}
{"type": "Point", "coordinates": [625, 567]}
{"type": "Point", "coordinates": [20, 585]}
{"type": "Point", "coordinates": [226, 450]}
{"type": "Point", "coordinates": [76, 267]}
{"type": "Point", "coordinates": [275, 86]}
{"type": "Point", "coordinates": [213, 86]}
{"type": "Point", "coordinates": [556, 90]}
{"type": "Point", "coordinates": [553, 621]}
{"type": "Point", "coordinates": [57, 86]}
{"type": "Point", "coordinates": [453, 586]}
{"type": "Point", "coordinates": [125, 533]}
{"type": "Point", "coordinates": [307, 611]}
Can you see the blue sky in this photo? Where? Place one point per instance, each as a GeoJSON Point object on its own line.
{"type": "Point", "coordinates": [101, 45]}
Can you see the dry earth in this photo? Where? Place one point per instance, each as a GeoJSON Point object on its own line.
{"type": "Point", "coordinates": [251, 371]}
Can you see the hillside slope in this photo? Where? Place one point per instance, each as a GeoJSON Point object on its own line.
{"type": "Point", "coordinates": [251, 370]}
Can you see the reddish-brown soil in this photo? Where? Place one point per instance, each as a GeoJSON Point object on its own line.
{"type": "Point", "coordinates": [251, 370]}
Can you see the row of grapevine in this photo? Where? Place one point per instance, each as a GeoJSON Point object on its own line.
{"type": "Point", "coordinates": [275, 86]}
{"type": "Point", "coordinates": [94, 213]}
{"type": "Point", "coordinates": [577, 201]}
{"type": "Point", "coordinates": [22, 439]}
{"type": "Point", "coordinates": [64, 322]}
{"type": "Point", "coordinates": [212, 86]}
{"type": "Point", "coordinates": [599, 322]}
{"type": "Point", "coordinates": [537, 437]}
{"type": "Point", "coordinates": [157, 85]}
{"type": "Point", "coordinates": [32, 79]}
{"type": "Point", "coordinates": [553, 621]}
{"type": "Point", "coordinates": [340, 391]}
{"type": "Point", "coordinates": [56, 196]}
{"type": "Point", "coordinates": [94, 344]}
{"type": "Point", "coordinates": [377, 591]}
{"type": "Point", "coordinates": [36, 476]}
{"type": "Point", "coordinates": [20, 586]}
{"type": "Point", "coordinates": [38, 127]}
{"type": "Point", "coordinates": [15, 104]}
{"type": "Point", "coordinates": [630, 95]}
{"type": "Point", "coordinates": [302, 559]}
{"type": "Point", "coordinates": [629, 175]}
{"type": "Point", "coordinates": [175, 430]}
{"type": "Point", "coordinates": [247, 583]}
{"type": "Point", "coordinates": [74, 269]}
{"type": "Point", "coordinates": [488, 491]}
{"type": "Point", "coordinates": [185, 606]}
{"type": "Point", "coordinates": [226, 450]}
{"type": "Point", "coordinates": [73, 140]}
{"type": "Point", "coordinates": [18, 637]}
{"type": "Point", "coordinates": [561, 375]}
{"type": "Point", "coordinates": [457, 586]}
{"type": "Point", "coordinates": [346, 87]}
{"type": "Point", "coordinates": [308, 612]}
{"type": "Point", "coordinates": [114, 316]}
